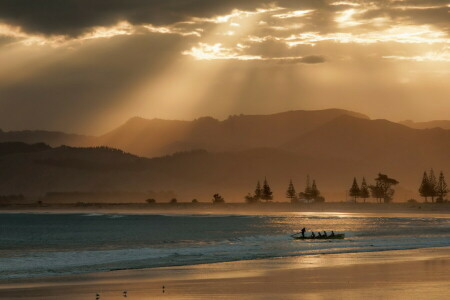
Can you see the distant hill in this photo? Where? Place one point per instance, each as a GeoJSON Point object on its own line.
{"type": "Point", "coordinates": [19, 147]}
{"type": "Point", "coordinates": [332, 146]}
{"type": "Point", "coordinates": [380, 141]}
{"type": "Point", "coordinates": [332, 154]}
{"type": "Point", "coordinates": [160, 137]}
{"type": "Point", "coordinates": [52, 138]}
{"type": "Point", "coordinates": [444, 124]}
{"type": "Point", "coordinates": [195, 174]}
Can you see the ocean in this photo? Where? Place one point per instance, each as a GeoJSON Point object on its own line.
{"type": "Point", "coordinates": [47, 244]}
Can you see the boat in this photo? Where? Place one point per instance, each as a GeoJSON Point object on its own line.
{"type": "Point", "coordinates": [339, 236]}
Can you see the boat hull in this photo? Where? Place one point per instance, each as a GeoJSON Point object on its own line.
{"type": "Point", "coordinates": [335, 237]}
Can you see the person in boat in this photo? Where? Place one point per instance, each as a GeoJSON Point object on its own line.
{"type": "Point", "coordinates": [332, 233]}
{"type": "Point", "coordinates": [319, 234]}
{"type": "Point", "coordinates": [313, 235]}
{"type": "Point", "coordinates": [324, 233]}
{"type": "Point", "coordinates": [303, 231]}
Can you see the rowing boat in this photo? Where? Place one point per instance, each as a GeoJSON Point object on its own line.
{"type": "Point", "coordinates": [329, 237]}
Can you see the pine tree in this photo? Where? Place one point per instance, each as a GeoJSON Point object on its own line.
{"type": "Point", "coordinates": [308, 190]}
{"type": "Point", "coordinates": [424, 189]}
{"type": "Point", "coordinates": [266, 191]}
{"type": "Point", "coordinates": [376, 191]}
{"type": "Point", "coordinates": [258, 192]}
{"type": "Point", "coordinates": [291, 193]}
{"type": "Point", "coordinates": [364, 190]}
{"type": "Point", "coordinates": [432, 185]}
{"type": "Point", "coordinates": [315, 193]}
{"type": "Point", "coordinates": [441, 189]}
{"type": "Point", "coordinates": [354, 190]}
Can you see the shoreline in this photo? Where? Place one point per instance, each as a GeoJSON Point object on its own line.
{"type": "Point", "coordinates": [233, 208]}
{"type": "Point", "coordinates": [408, 270]}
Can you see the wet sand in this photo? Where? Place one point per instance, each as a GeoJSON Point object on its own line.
{"type": "Point", "coordinates": [403, 274]}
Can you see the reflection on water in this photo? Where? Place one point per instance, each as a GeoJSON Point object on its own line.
{"type": "Point", "coordinates": [51, 244]}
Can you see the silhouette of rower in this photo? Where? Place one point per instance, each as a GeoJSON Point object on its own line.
{"type": "Point", "coordinates": [303, 231]}
{"type": "Point", "coordinates": [319, 234]}
{"type": "Point", "coordinates": [324, 233]}
{"type": "Point", "coordinates": [313, 235]}
{"type": "Point", "coordinates": [332, 233]}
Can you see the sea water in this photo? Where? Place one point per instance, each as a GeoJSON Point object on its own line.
{"type": "Point", "coordinates": [33, 245]}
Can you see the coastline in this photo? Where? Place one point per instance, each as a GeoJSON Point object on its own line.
{"type": "Point", "coordinates": [408, 274]}
{"type": "Point", "coordinates": [234, 208]}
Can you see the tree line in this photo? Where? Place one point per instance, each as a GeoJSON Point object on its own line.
{"type": "Point", "coordinates": [432, 187]}
{"type": "Point", "coordinates": [311, 192]}
{"type": "Point", "coordinates": [382, 190]}
{"type": "Point", "coordinates": [261, 193]}
{"type": "Point", "coordinates": [264, 193]}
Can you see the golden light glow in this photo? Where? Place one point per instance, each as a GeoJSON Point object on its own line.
{"type": "Point", "coordinates": [29, 39]}
{"type": "Point", "coordinates": [121, 28]}
{"type": "Point", "coordinates": [173, 30]}
{"type": "Point", "coordinates": [236, 14]}
{"type": "Point", "coordinates": [293, 14]}
{"type": "Point", "coordinates": [400, 34]}
{"type": "Point", "coordinates": [345, 3]}
{"type": "Point", "coordinates": [346, 18]}
{"type": "Point", "coordinates": [218, 52]}
{"type": "Point", "coordinates": [249, 48]}
{"type": "Point", "coordinates": [443, 56]}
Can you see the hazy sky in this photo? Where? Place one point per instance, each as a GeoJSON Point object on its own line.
{"type": "Point", "coordinates": [88, 65]}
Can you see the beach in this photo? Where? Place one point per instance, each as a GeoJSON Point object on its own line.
{"type": "Point", "coordinates": [76, 255]}
{"type": "Point", "coordinates": [401, 274]}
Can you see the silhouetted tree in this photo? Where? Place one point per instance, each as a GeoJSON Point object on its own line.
{"type": "Point", "coordinates": [249, 198]}
{"type": "Point", "coordinates": [291, 193]}
{"type": "Point", "coordinates": [315, 193]}
{"type": "Point", "coordinates": [173, 200]}
{"type": "Point", "coordinates": [266, 191]}
{"type": "Point", "coordinates": [307, 194]}
{"type": "Point", "coordinates": [364, 190]}
{"type": "Point", "coordinates": [433, 185]}
{"type": "Point", "coordinates": [258, 192]}
{"type": "Point", "coordinates": [424, 188]}
{"type": "Point", "coordinates": [218, 199]}
{"type": "Point", "coordinates": [441, 188]}
{"type": "Point", "coordinates": [385, 184]}
{"type": "Point", "coordinates": [354, 190]}
{"type": "Point", "coordinates": [376, 192]}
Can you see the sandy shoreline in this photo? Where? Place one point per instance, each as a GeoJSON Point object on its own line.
{"type": "Point", "coordinates": [401, 274]}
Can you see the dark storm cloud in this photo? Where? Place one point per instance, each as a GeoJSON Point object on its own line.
{"type": "Point", "coordinates": [72, 17]}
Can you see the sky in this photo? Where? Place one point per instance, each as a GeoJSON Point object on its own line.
{"type": "Point", "coordinates": [86, 66]}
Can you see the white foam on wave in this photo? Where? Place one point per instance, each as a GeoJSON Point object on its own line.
{"type": "Point", "coordinates": [93, 215]}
